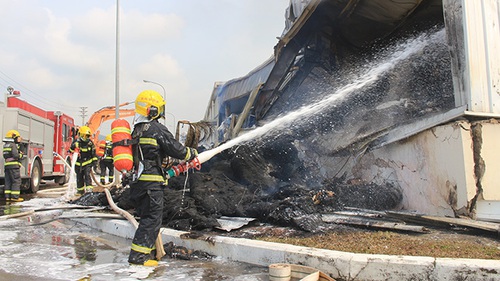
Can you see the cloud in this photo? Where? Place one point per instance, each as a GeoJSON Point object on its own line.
{"type": "Point", "coordinates": [138, 27]}
{"type": "Point", "coordinates": [62, 54]}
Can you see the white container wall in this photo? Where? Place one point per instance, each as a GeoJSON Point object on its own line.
{"type": "Point", "coordinates": [473, 29]}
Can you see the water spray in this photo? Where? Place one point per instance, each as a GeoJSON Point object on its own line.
{"type": "Point", "coordinates": [366, 79]}
{"type": "Point", "coordinates": [57, 192]}
{"type": "Point", "coordinates": [71, 190]}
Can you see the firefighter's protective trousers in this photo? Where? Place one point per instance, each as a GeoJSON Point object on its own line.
{"type": "Point", "coordinates": [149, 204]}
{"type": "Point", "coordinates": [106, 163]}
{"type": "Point", "coordinates": [83, 178]}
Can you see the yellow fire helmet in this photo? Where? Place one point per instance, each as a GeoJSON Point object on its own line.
{"type": "Point", "coordinates": [108, 137]}
{"type": "Point", "coordinates": [85, 132]}
{"type": "Point", "coordinates": [150, 104]}
{"type": "Point", "coordinates": [12, 134]}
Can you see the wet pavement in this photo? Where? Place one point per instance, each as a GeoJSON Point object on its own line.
{"type": "Point", "coordinates": [39, 247]}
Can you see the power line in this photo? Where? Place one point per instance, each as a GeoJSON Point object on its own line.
{"type": "Point", "coordinates": [8, 81]}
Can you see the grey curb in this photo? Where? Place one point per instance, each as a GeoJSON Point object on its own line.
{"type": "Point", "coordinates": [341, 265]}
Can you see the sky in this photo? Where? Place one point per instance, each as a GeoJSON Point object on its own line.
{"type": "Point", "coordinates": [61, 54]}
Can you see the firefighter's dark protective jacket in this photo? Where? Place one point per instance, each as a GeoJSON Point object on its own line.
{"type": "Point", "coordinates": [108, 152]}
{"type": "Point", "coordinates": [12, 155]}
{"type": "Point", "coordinates": [155, 143]}
{"type": "Point", "coordinates": [87, 154]}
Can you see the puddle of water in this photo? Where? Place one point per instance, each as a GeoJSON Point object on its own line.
{"type": "Point", "coordinates": [67, 250]}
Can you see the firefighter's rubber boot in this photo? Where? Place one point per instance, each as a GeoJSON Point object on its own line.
{"type": "Point", "coordinates": [150, 263]}
{"type": "Point", "coordinates": [17, 199]}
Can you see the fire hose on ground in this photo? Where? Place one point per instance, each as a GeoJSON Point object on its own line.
{"type": "Point", "coordinates": [159, 243]}
{"type": "Point", "coordinates": [172, 172]}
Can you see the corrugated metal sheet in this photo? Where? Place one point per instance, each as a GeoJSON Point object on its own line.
{"type": "Point", "coordinates": [294, 10]}
{"type": "Point", "coordinates": [227, 95]}
{"type": "Point", "coordinates": [481, 23]}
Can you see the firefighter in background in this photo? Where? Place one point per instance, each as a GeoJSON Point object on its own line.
{"type": "Point", "coordinates": [155, 143]}
{"type": "Point", "coordinates": [13, 155]}
{"type": "Point", "coordinates": [106, 162]}
{"type": "Point", "coordinates": [85, 161]}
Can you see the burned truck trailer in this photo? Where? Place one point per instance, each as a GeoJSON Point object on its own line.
{"type": "Point", "coordinates": [400, 92]}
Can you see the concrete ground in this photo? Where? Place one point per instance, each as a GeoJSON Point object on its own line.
{"type": "Point", "coordinates": [339, 265]}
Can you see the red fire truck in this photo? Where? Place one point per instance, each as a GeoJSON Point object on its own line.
{"type": "Point", "coordinates": [46, 135]}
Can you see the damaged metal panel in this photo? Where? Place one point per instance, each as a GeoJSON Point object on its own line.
{"type": "Point", "coordinates": [334, 30]}
{"type": "Point", "coordinates": [229, 98]}
{"type": "Point", "coordinates": [408, 130]}
{"type": "Point", "coordinates": [359, 22]}
{"type": "Point", "coordinates": [474, 30]}
{"type": "Point", "coordinates": [373, 19]}
{"type": "Point", "coordinates": [212, 112]}
{"type": "Point", "coordinates": [455, 39]}
{"type": "Point", "coordinates": [232, 223]}
{"type": "Point", "coordinates": [435, 169]}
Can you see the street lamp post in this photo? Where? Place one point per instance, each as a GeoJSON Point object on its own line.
{"type": "Point", "coordinates": [164, 97]}
{"type": "Point", "coordinates": [117, 62]}
{"type": "Point", "coordinates": [173, 116]}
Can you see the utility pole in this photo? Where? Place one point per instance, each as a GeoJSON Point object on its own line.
{"type": "Point", "coordinates": [84, 113]}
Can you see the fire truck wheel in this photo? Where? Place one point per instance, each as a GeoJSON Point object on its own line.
{"type": "Point", "coordinates": [36, 177]}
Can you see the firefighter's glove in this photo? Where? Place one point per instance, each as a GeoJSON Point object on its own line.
{"type": "Point", "coordinates": [192, 153]}
{"type": "Point", "coordinates": [125, 181]}
{"type": "Point", "coordinates": [128, 178]}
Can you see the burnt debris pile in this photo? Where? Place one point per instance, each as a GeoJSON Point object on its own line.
{"type": "Point", "coordinates": [244, 182]}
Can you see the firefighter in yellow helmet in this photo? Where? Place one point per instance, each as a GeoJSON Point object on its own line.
{"type": "Point", "coordinates": [106, 162]}
{"type": "Point", "coordinates": [85, 161]}
{"type": "Point", "coordinates": [155, 143]}
{"type": "Point", "coordinates": [13, 155]}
